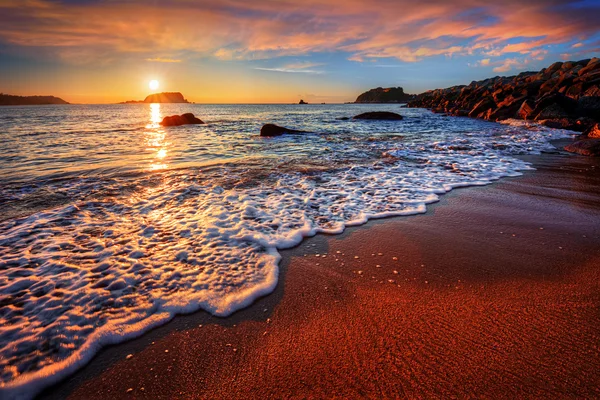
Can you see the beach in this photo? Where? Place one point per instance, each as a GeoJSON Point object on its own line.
{"type": "Point", "coordinates": [493, 293]}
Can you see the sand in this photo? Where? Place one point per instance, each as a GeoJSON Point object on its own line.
{"type": "Point", "coordinates": [494, 293]}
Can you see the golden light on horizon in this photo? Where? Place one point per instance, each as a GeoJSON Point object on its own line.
{"type": "Point", "coordinates": [153, 84]}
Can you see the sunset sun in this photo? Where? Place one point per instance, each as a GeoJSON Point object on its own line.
{"type": "Point", "coordinates": [153, 84]}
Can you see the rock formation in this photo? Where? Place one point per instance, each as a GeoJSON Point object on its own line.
{"type": "Point", "coordinates": [183, 119]}
{"type": "Point", "coordinates": [564, 95]}
{"type": "Point", "coordinates": [385, 95]}
{"type": "Point", "coordinates": [164, 97]}
{"type": "Point", "coordinates": [379, 115]}
{"type": "Point", "coordinates": [302, 102]}
{"type": "Point", "coordinates": [271, 130]}
{"type": "Point", "coordinates": [10, 100]}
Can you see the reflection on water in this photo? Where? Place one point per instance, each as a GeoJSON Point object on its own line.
{"type": "Point", "coordinates": [155, 140]}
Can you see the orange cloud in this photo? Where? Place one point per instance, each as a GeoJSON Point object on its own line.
{"type": "Point", "coordinates": [236, 29]}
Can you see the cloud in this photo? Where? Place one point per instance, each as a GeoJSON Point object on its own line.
{"type": "Point", "coordinates": [241, 30]}
{"type": "Point", "coordinates": [163, 60]}
{"type": "Point", "coordinates": [577, 45]}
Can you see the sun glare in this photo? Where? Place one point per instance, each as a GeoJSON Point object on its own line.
{"type": "Point", "coordinates": [153, 84]}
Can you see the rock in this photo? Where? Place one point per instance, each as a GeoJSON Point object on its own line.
{"type": "Point", "coordinates": [271, 130]}
{"type": "Point", "coordinates": [586, 147]}
{"type": "Point", "coordinates": [525, 110]}
{"type": "Point", "coordinates": [165, 97]}
{"type": "Point", "coordinates": [592, 65]}
{"type": "Point", "coordinates": [380, 115]}
{"type": "Point", "coordinates": [10, 100]}
{"type": "Point", "coordinates": [559, 95]}
{"type": "Point", "coordinates": [561, 123]}
{"type": "Point", "coordinates": [593, 131]}
{"type": "Point", "coordinates": [385, 95]}
{"type": "Point", "coordinates": [589, 106]}
{"type": "Point", "coordinates": [553, 111]}
{"type": "Point", "coordinates": [343, 119]}
{"type": "Point", "coordinates": [184, 119]}
{"type": "Point", "coordinates": [482, 107]}
{"type": "Point", "coordinates": [302, 102]}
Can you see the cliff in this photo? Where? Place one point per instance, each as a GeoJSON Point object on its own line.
{"type": "Point", "coordinates": [385, 95]}
{"type": "Point", "coordinates": [9, 100]}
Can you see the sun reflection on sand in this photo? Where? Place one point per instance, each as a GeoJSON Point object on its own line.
{"type": "Point", "coordinates": [156, 139]}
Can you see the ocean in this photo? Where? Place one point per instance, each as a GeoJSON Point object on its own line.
{"type": "Point", "coordinates": [111, 224]}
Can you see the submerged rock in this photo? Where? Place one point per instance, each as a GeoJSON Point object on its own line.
{"type": "Point", "coordinates": [586, 147]}
{"type": "Point", "coordinates": [183, 119]}
{"type": "Point", "coordinates": [380, 115]}
{"type": "Point", "coordinates": [271, 130]}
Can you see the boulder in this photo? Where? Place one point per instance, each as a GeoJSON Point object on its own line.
{"type": "Point", "coordinates": [592, 65]}
{"type": "Point", "coordinates": [482, 107]}
{"type": "Point", "coordinates": [553, 111]}
{"type": "Point", "coordinates": [586, 147]}
{"type": "Point", "coordinates": [593, 132]}
{"type": "Point", "coordinates": [589, 106]}
{"type": "Point", "coordinates": [183, 119]}
{"type": "Point", "coordinates": [525, 110]}
{"type": "Point", "coordinates": [380, 115]}
{"type": "Point", "coordinates": [271, 130]}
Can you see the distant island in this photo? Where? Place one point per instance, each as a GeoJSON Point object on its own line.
{"type": "Point", "coordinates": [10, 100]}
{"type": "Point", "coordinates": [385, 95]}
{"type": "Point", "coordinates": [302, 102]}
{"type": "Point", "coordinates": [164, 97]}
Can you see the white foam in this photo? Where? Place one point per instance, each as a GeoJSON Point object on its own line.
{"type": "Point", "coordinates": [80, 277]}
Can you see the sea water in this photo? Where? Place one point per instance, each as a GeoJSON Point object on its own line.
{"type": "Point", "coordinates": [111, 224]}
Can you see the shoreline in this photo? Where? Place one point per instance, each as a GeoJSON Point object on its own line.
{"type": "Point", "coordinates": [329, 330]}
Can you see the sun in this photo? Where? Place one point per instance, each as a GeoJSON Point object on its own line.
{"type": "Point", "coordinates": [153, 84]}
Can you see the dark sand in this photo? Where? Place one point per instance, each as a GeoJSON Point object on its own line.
{"type": "Point", "coordinates": [495, 293]}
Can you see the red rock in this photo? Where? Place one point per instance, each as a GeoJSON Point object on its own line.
{"type": "Point", "coordinates": [586, 147]}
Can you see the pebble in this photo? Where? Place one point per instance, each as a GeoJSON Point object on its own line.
{"type": "Point", "coordinates": [378, 266]}
{"type": "Point", "coordinates": [395, 272]}
{"type": "Point", "coordinates": [395, 258]}
{"type": "Point", "coordinates": [359, 272]}
{"type": "Point", "coordinates": [379, 254]}
{"type": "Point", "coordinates": [356, 257]}
{"type": "Point", "coordinates": [129, 356]}
{"type": "Point", "coordinates": [166, 351]}
{"type": "Point", "coordinates": [129, 390]}
{"type": "Point", "coordinates": [338, 252]}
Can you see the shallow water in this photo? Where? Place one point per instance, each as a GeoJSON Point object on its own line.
{"type": "Point", "coordinates": [111, 224]}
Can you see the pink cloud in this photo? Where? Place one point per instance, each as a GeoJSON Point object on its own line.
{"type": "Point", "coordinates": [236, 29]}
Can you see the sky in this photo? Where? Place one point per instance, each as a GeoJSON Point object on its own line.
{"type": "Point", "coordinates": [280, 51]}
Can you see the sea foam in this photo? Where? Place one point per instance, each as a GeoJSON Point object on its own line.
{"type": "Point", "coordinates": [103, 270]}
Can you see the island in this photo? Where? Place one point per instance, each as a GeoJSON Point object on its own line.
{"type": "Point", "coordinates": [11, 100]}
{"type": "Point", "coordinates": [385, 95]}
{"type": "Point", "coordinates": [164, 97]}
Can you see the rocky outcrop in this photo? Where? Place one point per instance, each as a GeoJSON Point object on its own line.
{"type": "Point", "coordinates": [379, 115]}
{"type": "Point", "coordinates": [183, 119]}
{"type": "Point", "coordinates": [385, 95]}
{"type": "Point", "coordinates": [302, 102]}
{"type": "Point", "coordinates": [564, 95]}
{"type": "Point", "coordinates": [271, 130]}
{"type": "Point", "coordinates": [10, 100]}
{"type": "Point", "coordinates": [164, 97]}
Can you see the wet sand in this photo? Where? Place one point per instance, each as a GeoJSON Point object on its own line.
{"type": "Point", "coordinates": [494, 293]}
